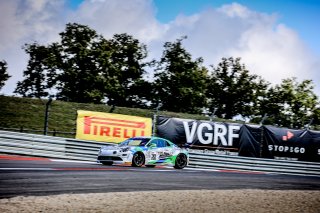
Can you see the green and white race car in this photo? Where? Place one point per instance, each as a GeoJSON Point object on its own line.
{"type": "Point", "coordinates": [148, 151]}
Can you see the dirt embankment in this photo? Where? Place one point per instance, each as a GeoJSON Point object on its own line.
{"type": "Point", "coordinates": [170, 201]}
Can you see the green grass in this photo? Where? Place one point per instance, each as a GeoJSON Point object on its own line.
{"type": "Point", "coordinates": [29, 113]}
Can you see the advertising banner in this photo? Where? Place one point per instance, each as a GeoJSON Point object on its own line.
{"type": "Point", "coordinates": [297, 144]}
{"type": "Point", "coordinates": [246, 140]}
{"type": "Point", "coordinates": [201, 134]}
{"type": "Point", "coordinates": [250, 141]}
{"type": "Point", "coordinates": [110, 127]}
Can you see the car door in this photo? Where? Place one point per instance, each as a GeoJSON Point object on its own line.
{"type": "Point", "coordinates": [164, 149]}
{"type": "Point", "coordinates": [153, 150]}
{"type": "Point", "coordinates": [167, 149]}
{"type": "Point", "coordinates": [159, 149]}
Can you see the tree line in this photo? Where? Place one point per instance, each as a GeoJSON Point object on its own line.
{"type": "Point", "coordinates": [85, 67]}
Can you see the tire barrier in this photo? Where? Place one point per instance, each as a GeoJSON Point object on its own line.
{"type": "Point", "coordinates": [65, 148]}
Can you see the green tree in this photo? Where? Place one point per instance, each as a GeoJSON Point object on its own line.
{"type": "Point", "coordinates": [128, 88]}
{"type": "Point", "coordinates": [35, 82]}
{"type": "Point", "coordinates": [180, 82]}
{"type": "Point", "coordinates": [4, 76]}
{"type": "Point", "coordinates": [77, 74]}
{"type": "Point", "coordinates": [85, 67]}
{"type": "Point", "coordinates": [68, 67]}
{"type": "Point", "coordinates": [291, 104]}
{"type": "Point", "coordinates": [233, 90]}
{"type": "Point", "coordinates": [316, 118]}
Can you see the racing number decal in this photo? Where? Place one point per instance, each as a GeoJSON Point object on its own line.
{"type": "Point", "coordinates": [153, 156]}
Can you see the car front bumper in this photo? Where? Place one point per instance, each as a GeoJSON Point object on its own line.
{"type": "Point", "coordinates": [114, 156]}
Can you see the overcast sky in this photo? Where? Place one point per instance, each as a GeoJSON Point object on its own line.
{"type": "Point", "coordinates": [275, 40]}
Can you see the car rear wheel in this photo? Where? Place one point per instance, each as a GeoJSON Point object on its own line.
{"type": "Point", "coordinates": [181, 161]}
{"type": "Point", "coordinates": [137, 159]}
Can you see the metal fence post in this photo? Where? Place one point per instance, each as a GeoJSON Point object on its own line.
{"type": "Point", "coordinates": [262, 133]}
{"type": "Point", "coordinates": [46, 117]}
{"type": "Point", "coordinates": [155, 119]}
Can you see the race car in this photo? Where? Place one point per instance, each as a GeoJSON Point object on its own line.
{"type": "Point", "coordinates": [148, 151]}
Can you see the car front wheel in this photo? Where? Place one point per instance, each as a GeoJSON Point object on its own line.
{"type": "Point", "coordinates": [181, 161]}
{"type": "Point", "coordinates": [137, 159]}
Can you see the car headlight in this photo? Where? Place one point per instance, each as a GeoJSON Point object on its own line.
{"type": "Point", "coordinates": [125, 149]}
{"type": "Point", "coordinates": [101, 149]}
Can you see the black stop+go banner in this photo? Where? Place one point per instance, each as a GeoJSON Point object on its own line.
{"type": "Point", "coordinates": [246, 140]}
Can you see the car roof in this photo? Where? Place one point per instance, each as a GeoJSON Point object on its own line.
{"type": "Point", "coordinates": [150, 137]}
{"type": "Point", "coordinates": [147, 137]}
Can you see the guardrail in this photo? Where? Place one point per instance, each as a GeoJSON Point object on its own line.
{"type": "Point", "coordinates": [225, 162]}
{"type": "Point", "coordinates": [48, 146]}
{"type": "Point", "coordinates": [64, 148]}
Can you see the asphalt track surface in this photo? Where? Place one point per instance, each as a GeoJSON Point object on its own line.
{"type": "Point", "coordinates": [24, 176]}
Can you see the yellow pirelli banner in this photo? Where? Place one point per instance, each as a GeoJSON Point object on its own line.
{"type": "Point", "coordinates": [110, 127]}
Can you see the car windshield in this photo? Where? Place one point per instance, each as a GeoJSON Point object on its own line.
{"type": "Point", "coordinates": [135, 142]}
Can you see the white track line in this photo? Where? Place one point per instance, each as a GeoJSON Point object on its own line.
{"type": "Point", "coordinates": [73, 161]}
{"type": "Point", "coordinates": [40, 169]}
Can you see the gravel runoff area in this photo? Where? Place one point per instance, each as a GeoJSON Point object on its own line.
{"type": "Point", "coordinates": [248, 200]}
